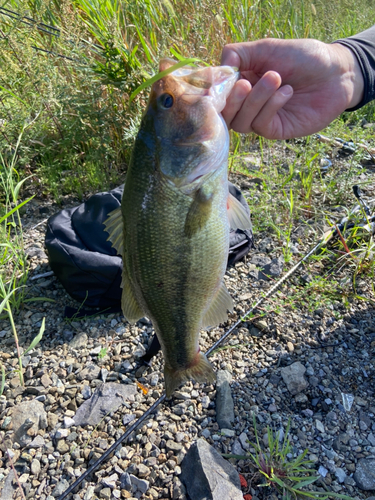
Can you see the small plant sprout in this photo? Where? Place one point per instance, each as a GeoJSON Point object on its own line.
{"type": "Point", "coordinates": [102, 352]}
{"type": "Point", "coordinates": [288, 476]}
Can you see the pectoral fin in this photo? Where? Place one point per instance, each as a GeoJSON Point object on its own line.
{"type": "Point", "coordinates": [217, 312]}
{"type": "Point", "coordinates": [115, 227]}
{"type": "Point", "coordinates": [129, 304]}
{"type": "Point", "coordinates": [237, 215]}
{"type": "Point", "coordinates": [199, 212]}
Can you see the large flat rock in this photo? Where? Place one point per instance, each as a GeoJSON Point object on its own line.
{"type": "Point", "coordinates": [107, 397]}
{"type": "Point", "coordinates": [208, 476]}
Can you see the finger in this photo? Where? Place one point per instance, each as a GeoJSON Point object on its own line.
{"type": "Point", "coordinates": [229, 57]}
{"type": "Point", "coordinates": [235, 100]}
{"type": "Point", "coordinates": [268, 123]}
{"type": "Point", "coordinates": [254, 102]}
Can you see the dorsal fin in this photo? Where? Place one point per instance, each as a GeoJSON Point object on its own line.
{"type": "Point", "coordinates": [115, 227]}
{"type": "Point", "coordinates": [217, 312]}
{"type": "Point", "coordinates": [237, 215]}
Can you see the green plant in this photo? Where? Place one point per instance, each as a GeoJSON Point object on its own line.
{"type": "Point", "coordinates": [287, 476]}
{"type": "Point", "coordinates": [13, 265]}
{"type": "Point", "coordinates": [102, 352]}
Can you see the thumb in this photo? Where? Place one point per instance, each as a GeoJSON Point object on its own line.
{"type": "Point", "coordinates": [229, 57]}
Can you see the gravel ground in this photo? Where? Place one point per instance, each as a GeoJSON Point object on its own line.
{"type": "Point", "coordinates": [315, 368]}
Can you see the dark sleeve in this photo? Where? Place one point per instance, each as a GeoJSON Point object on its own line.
{"type": "Point", "coordinates": [363, 46]}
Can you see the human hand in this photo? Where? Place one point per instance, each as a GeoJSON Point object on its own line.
{"type": "Point", "coordinates": [290, 88]}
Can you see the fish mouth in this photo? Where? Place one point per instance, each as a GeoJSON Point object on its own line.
{"type": "Point", "coordinates": [214, 82]}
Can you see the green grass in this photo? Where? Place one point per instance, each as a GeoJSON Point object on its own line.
{"type": "Point", "coordinates": [67, 126]}
{"type": "Point", "coordinates": [77, 106]}
{"type": "Point", "coordinates": [289, 477]}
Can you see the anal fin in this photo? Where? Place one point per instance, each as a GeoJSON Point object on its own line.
{"type": "Point", "coordinates": [129, 304]}
{"type": "Point", "coordinates": [237, 215]}
{"type": "Point", "coordinates": [115, 227]}
{"type": "Point", "coordinates": [217, 312]}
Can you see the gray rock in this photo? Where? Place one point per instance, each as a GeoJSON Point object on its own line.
{"type": "Point", "coordinates": [35, 467]}
{"type": "Point", "coordinates": [22, 415]}
{"type": "Point", "coordinates": [35, 251]}
{"type": "Point", "coordinates": [129, 417]}
{"type": "Point", "coordinates": [371, 438]}
{"type": "Point", "coordinates": [260, 261]}
{"type": "Point", "coordinates": [89, 493]}
{"type": "Point", "coordinates": [9, 488]}
{"type": "Point", "coordinates": [110, 481]}
{"type": "Point", "coordinates": [237, 448]}
{"type": "Point", "coordinates": [86, 391]}
{"type": "Point", "coordinates": [208, 476]}
{"type": "Point", "coordinates": [79, 340]}
{"type": "Point", "coordinates": [205, 402]}
{"type": "Point", "coordinates": [244, 441]}
{"type": "Point", "coordinates": [340, 474]}
{"type": "Point", "coordinates": [60, 487]}
{"type": "Point", "coordinates": [141, 484]}
{"type": "Point", "coordinates": [173, 446]}
{"type": "Point", "coordinates": [105, 493]}
{"type": "Point", "coordinates": [67, 335]}
{"type": "Point", "coordinates": [37, 442]}
{"type": "Point", "coordinates": [364, 475]}
{"type": "Point", "coordinates": [125, 482]}
{"type": "Point", "coordinates": [89, 373]}
{"type": "Point", "coordinates": [107, 397]}
{"type": "Point", "coordinates": [275, 267]}
{"type": "Point", "coordinates": [62, 433]}
{"type": "Point", "coordinates": [224, 400]}
{"type": "Point", "coordinates": [293, 376]}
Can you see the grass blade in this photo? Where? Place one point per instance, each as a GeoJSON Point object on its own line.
{"type": "Point", "coordinates": [162, 74]}
{"type": "Point", "coordinates": [2, 219]}
{"type": "Point", "coordinates": [2, 380]}
{"type": "Point", "coordinates": [37, 339]}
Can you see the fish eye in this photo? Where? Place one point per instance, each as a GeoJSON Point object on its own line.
{"type": "Point", "coordinates": [166, 101]}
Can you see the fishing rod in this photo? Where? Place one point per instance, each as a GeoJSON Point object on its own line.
{"type": "Point", "coordinates": [324, 240]}
{"type": "Point", "coordinates": [346, 146]}
{"type": "Point", "coordinates": [45, 28]}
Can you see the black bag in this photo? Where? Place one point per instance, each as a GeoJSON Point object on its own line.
{"type": "Point", "coordinates": [84, 261]}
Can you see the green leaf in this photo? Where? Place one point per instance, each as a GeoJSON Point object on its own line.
{"type": "Point", "coordinates": [18, 187]}
{"type": "Point", "coordinates": [306, 482]}
{"type": "Point", "coordinates": [2, 380]}
{"type": "Point", "coordinates": [5, 301]}
{"type": "Point", "coordinates": [39, 299]}
{"type": "Point", "coordinates": [162, 74]}
{"type": "Point", "coordinates": [14, 95]}
{"type": "Point", "coordinates": [2, 219]}
{"type": "Point", "coordinates": [237, 457]}
{"type": "Point", "coordinates": [37, 339]}
{"type": "Point", "coordinates": [144, 44]}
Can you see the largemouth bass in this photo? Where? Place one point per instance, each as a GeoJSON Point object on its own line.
{"type": "Point", "coordinates": [172, 228]}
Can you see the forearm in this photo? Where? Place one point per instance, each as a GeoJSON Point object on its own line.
{"type": "Point", "coordinates": [362, 46]}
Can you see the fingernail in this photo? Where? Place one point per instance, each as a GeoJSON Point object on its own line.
{"type": "Point", "coordinates": [271, 80]}
{"type": "Point", "coordinates": [240, 93]}
{"type": "Point", "coordinates": [286, 91]}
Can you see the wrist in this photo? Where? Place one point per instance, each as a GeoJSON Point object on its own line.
{"type": "Point", "coordinates": [351, 74]}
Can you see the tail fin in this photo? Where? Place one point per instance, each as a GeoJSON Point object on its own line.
{"type": "Point", "coordinates": [200, 371]}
